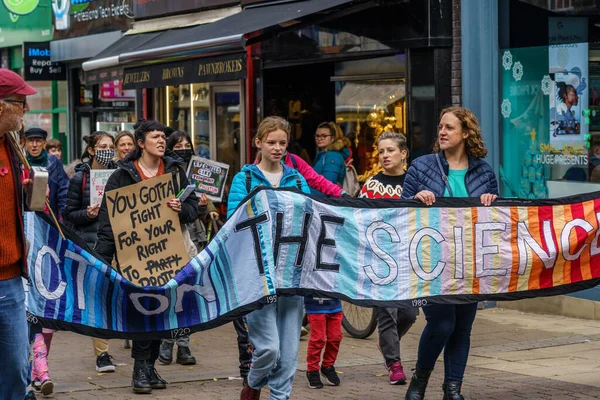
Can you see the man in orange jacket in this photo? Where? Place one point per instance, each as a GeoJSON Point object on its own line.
{"type": "Point", "coordinates": [14, 343]}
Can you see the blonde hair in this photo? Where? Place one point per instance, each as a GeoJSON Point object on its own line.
{"type": "Point", "coordinates": [268, 125]}
{"type": "Point", "coordinates": [474, 145]}
{"type": "Point", "coordinates": [398, 138]}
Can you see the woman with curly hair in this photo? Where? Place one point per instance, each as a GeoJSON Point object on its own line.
{"type": "Point", "coordinates": [455, 170]}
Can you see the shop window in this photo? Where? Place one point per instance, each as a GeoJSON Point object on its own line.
{"type": "Point", "coordinates": [63, 90]}
{"type": "Point", "coordinates": [42, 100]}
{"type": "Point", "coordinates": [366, 108]}
{"type": "Point", "coordinates": [201, 129]}
{"type": "Point", "coordinates": [179, 104]}
{"type": "Point", "coordinates": [550, 120]}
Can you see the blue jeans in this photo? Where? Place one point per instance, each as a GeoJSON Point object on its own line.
{"type": "Point", "coordinates": [275, 334]}
{"type": "Point", "coordinates": [14, 340]}
{"type": "Point", "coordinates": [448, 328]}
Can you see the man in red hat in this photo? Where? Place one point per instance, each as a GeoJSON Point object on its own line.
{"type": "Point", "coordinates": [14, 343]}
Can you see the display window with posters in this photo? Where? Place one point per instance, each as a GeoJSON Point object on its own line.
{"type": "Point", "coordinates": [550, 106]}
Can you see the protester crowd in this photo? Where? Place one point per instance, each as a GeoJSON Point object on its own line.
{"type": "Point", "coordinates": [267, 338]}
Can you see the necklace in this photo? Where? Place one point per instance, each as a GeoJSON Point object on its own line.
{"type": "Point", "coordinates": [146, 171]}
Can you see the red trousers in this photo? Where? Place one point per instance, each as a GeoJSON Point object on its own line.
{"type": "Point", "coordinates": [325, 332]}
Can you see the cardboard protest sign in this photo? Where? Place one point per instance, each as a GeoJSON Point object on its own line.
{"type": "Point", "coordinates": [147, 233]}
{"type": "Point", "coordinates": [98, 179]}
{"type": "Point", "coordinates": [208, 176]}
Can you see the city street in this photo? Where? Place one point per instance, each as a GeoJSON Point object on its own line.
{"type": "Point", "coordinates": [514, 356]}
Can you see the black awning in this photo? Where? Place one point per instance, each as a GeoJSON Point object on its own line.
{"type": "Point", "coordinates": [228, 34]}
{"type": "Point", "coordinates": [205, 69]}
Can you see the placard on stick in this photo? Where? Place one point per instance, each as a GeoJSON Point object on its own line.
{"type": "Point", "coordinates": [147, 232]}
{"type": "Point", "coordinates": [208, 176]}
{"type": "Point", "coordinates": [98, 179]}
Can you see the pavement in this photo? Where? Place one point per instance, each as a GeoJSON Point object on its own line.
{"type": "Point", "coordinates": [514, 355]}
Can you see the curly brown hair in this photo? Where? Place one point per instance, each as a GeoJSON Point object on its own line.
{"type": "Point", "coordinates": [474, 145]}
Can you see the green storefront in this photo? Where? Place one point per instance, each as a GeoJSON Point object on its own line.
{"type": "Point", "coordinates": [30, 21]}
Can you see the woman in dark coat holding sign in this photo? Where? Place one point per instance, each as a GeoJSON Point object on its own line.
{"type": "Point", "coordinates": [146, 161]}
{"type": "Point", "coordinates": [98, 154]}
{"type": "Point", "coordinates": [457, 170]}
{"type": "Point", "coordinates": [181, 144]}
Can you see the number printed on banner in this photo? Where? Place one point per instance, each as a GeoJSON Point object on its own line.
{"type": "Point", "coordinates": [272, 299]}
{"type": "Point", "coordinates": [32, 319]}
{"type": "Point", "coordinates": [419, 302]}
{"type": "Point", "coordinates": [175, 333]}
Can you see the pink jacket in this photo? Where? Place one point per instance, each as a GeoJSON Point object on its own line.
{"type": "Point", "coordinates": [313, 179]}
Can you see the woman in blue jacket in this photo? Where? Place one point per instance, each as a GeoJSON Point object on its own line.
{"type": "Point", "coordinates": [456, 170]}
{"type": "Point", "coordinates": [275, 329]}
{"type": "Point", "coordinates": [333, 147]}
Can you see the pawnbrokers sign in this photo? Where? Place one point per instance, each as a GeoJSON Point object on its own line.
{"type": "Point", "coordinates": [212, 69]}
{"type": "Point", "coordinates": [37, 64]}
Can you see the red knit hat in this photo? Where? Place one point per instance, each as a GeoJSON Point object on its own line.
{"type": "Point", "coordinates": [12, 83]}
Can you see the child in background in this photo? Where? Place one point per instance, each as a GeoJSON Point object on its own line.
{"type": "Point", "coordinates": [54, 147]}
{"type": "Point", "coordinates": [325, 320]}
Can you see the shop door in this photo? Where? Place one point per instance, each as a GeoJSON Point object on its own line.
{"type": "Point", "coordinates": [85, 127]}
{"type": "Point", "coordinates": [227, 127]}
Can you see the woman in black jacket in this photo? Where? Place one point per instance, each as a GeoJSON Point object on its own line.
{"type": "Point", "coordinates": [83, 217]}
{"type": "Point", "coordinates": [456, 170]}
{"type": "Point", "coordinates": [146, 161]}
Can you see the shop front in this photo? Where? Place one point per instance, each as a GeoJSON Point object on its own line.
{"type": "Point", "coordinates": [392, 75]}
{"type": "Point", "coordinates": [98, 102]}
{"type": "Point", "coordinates": [24, 41]}
{"type": "Point", "coordinates": [550, 100]}
{"type": "Point", "coordinates": [203, 97]}
{"type": "Point", "coordinates": [202, 78]}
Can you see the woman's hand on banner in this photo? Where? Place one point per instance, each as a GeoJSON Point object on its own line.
{"type": "Point", "coordinates": [213, 215]}
{"type": "Point", "coordinates": [425, 196]}
{"type": "Point", "coordinates": [174, 204]}
{"type": "Point", "coordinates": [487, 199]}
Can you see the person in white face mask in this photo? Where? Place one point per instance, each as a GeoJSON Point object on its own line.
{"type": "Point", "coordinates": [99, 154]}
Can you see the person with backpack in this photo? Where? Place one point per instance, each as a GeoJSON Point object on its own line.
{"type": "Point", "coordinates": [83, 217]}
{"type": "Point", "coordinates": [275, 329]}
{"type": "Point", "coordinates": [393, 323]}
{"type": "Point", "coordinates": [334, 149]}
{"type": "Point", "coordinates": [149, 159]}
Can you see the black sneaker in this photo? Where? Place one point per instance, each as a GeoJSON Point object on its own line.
{"type": "Point", "coordinates": [331, 377]}
{"type": "Point", "coordinates": [30, 395]}
{"type": "Point", "coordinates": [314, 380]}
{"type": "Point", "coordinates": [104, 363]}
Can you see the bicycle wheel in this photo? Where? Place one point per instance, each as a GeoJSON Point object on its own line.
{"type": "Point", "coordinates": [359, 322]}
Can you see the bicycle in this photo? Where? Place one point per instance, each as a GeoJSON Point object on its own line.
{"type": "Point", "coordinates": [359, 322]}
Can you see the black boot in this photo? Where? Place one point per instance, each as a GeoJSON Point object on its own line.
{"type": "Point", "coordinates": [165, 355]}
{"type": "Point", "coordinates": [452, 390]}
{"type": "Point", "coordinates": [156, 382]}
{"type": "Point", "coordinates": [418, 384]}
{"type": "Point", "coordinates": [139, 380]}
{"type": "Point", "coordinates": [184, 356]}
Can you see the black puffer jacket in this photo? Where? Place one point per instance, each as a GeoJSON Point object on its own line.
{"type": "Point", "coordinates": [78, 200]}
{"type": "Point", "coordinates": [127, 175]}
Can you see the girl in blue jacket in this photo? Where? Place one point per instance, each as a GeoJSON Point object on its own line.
{"type": "Point", "coordinates": [457, 170]}
{"type": "Point", "coordinates": [333, 147]}
{"type": "Point", "coordinates": [275, 329]}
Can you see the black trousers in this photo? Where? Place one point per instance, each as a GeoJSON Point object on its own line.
{"type": "Point", "coordinates": [145, 350]}
{"type": "Point", "coordinates": [244, 346]}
